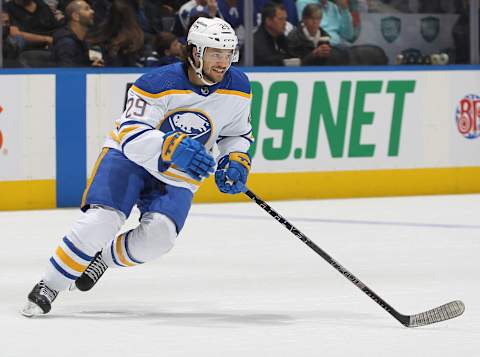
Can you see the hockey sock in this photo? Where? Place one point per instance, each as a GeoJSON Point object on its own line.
{"type": "Point", "coordinates": [66, 265]}
{"type": "Point", "coordinates": [154, 236]}
{"type": "Point", "coordinates": [117, 253]}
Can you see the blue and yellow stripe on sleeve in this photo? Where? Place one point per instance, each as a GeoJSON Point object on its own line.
{"type": "Point", "coordinates": [128, 131]}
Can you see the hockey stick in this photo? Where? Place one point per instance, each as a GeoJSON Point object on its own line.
{"type": "Point", "coordinates": [440, 313]}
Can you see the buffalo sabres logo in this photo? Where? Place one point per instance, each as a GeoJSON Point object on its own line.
{"type": "Point", "coordinates": [196, 124]}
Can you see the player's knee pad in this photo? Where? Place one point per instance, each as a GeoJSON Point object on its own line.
{"type": "Point", "coordinates": [154, 236]}
{"type": "Point", "coordinates": [98, 225]}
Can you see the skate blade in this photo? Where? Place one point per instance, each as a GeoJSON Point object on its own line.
{"type": "Point", "coordinates": [31, 310]}
{"type": "Point", "coordinates": [72, 287]}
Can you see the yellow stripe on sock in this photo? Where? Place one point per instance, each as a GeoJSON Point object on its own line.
{"type": "Point", "coordinates": [69, 261]}
{"type": "Point", "coordinates": [118, 248]}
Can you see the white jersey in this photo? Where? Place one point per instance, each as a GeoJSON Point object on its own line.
{"type": "Point", "coordinates": [164, 100]}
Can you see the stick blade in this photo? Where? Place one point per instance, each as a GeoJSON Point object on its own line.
{"type": "Point", "coordinates": [441, 313]}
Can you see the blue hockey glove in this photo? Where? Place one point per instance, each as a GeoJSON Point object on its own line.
{"type": "Point", "coordinates": [187, 154]}
{"type": "Point", "coordinates": [232, 172]}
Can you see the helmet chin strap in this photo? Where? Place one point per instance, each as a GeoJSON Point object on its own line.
{"type": "Point", "coordinates": [199, 72]}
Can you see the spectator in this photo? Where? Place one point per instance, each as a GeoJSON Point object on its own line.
{"type": "Point", "coordinates": [270, 44]}
{"type": "Point", "coordinates": [311, 43]}
{"type": "Point", "coordinates": [5, 23]}
{"type": "Point", "coordinates": [232, 11]}
{"type": "Point", "coordinates": [69, 46]}
{"type": "Point", "coordinates": [100, 7]}
{"type": "Point", "coordinates": [160, 16]}
{"type": "Point", "coordinates": [174, 5]}
{"type": "Point", "coordinates": [11, 42]}
{"type": "Point", "coordinates": [185, 11]}
{"type": "Point", "coordinates": [289, 5]}
{"type": "Point", "coordinates": [199, 11]}
{"type": "Point", "coordinates": [57, 13]}
{"type": "Point", "coordinates": [34, 20]}
{"type": "Point", "coordinates": [138, 7]}
{"type": "Point", "coordinates": [151, 15]}
{"type": "Point", "coordinates": [336, 20]}
{"type": "Point", "coordinates": [167, 50]}
{"type": "Point", "coordinates": [356, 7]}
{"type": "Point", "coordinates": [119, 36]}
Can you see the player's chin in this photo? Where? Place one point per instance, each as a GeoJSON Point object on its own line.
{"type": "Point", "coordinates": [216, 76]}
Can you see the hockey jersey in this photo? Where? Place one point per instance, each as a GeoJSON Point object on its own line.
{"type": "Point", "coordinates": [165, 100]}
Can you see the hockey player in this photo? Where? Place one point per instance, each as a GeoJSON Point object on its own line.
{"type": "Point", "coordinates": [156, 158]}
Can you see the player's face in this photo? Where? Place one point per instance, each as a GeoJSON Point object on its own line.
{"type": "Point", "coordinates": [216, 63]}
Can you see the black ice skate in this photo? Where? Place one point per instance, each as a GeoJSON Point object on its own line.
{"type": "Point", "coordinates": [92, 274]}
{"type": "Point", "coordinates": [39, 300]}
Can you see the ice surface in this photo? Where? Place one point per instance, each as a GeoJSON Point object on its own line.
{"type": "Point", "coordinates": [238, 284]}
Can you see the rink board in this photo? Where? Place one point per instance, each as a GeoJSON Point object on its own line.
{"type": "Point", "coordinates": [348, 184]}
{"type": "Point", "coordinates": [320, 133]}
{"type": "Point", "coordinates": [27, 141]}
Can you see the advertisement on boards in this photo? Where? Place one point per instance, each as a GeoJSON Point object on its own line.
{"type": "Point", "coordinates": [338, 121]}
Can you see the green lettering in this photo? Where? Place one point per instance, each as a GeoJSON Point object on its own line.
{"type": "Point", "coordinates": [399, 89]}
{"type": "Point", "coordinates": [255, 113]}
{"type": "Point", "coordinates": [321, 108]}
{"type": "Point", "coordinates": [361, 118]}
{"type": "Point", "coordinates": [284, 122]}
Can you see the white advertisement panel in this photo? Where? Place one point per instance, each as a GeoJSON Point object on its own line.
{"type": "Point", "coordinates": [328, 121]}
{"type": "Point", "coordinates": [27, 127]}
{"type": "Point", "coordinates": [339, 121]}
{"type": "Point", "coordinates": [105, 99]}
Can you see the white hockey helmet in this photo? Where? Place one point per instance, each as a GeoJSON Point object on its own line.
{"type": "Point", "coordinates": [213, 33]}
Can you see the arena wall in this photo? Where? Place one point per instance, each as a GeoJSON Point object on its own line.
{"type": "Point", "coordinates": [320, 133]}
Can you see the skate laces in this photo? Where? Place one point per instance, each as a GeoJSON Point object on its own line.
{"type": "Point", "coordinates": [50, 294]}
{"type": "Point", "coordinates": [96, 268]}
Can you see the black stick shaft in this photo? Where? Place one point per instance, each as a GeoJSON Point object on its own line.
{"type": "Point", "coordinates": [359, 284]}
